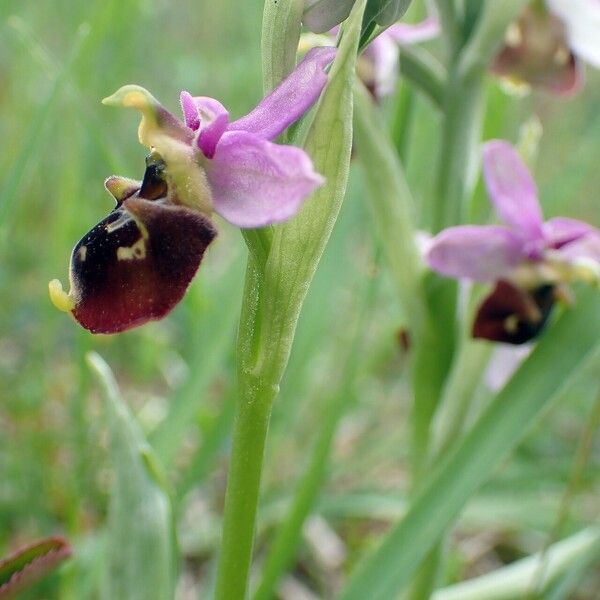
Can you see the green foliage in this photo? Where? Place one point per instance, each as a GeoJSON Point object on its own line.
{"type": "Point", "coordinates": [140, 551]}
{"type": "Point", "coordinates": [338, 445]}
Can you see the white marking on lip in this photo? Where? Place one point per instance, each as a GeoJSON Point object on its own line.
{"type": "Point", "coordinates": [135, 252]}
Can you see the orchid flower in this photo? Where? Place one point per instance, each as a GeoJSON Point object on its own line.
{"type": "Point", "coordinates": [137, 263]}
{"type": "Point", "coordinates": [545, 47]}
{"type": "Point", "coordinates": [527, 258]}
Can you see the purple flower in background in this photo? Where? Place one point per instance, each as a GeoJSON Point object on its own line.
{"type": "Point", "coordinates": [527, 257]}
{"type": "Point", "coordinates": [137, 263]}
{"type": "Point", "coordinates": [377, 66]}
{"type": "Point", "coordinates": [547, 44]}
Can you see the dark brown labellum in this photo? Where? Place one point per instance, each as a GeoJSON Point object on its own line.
{"type": "Point", "coordinates": [137, 263]}
{"type": "Point", "coordinates": [512, 315]}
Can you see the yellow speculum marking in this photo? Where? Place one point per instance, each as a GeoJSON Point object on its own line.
{"type": "Point", "coordinates": [82, 253]}
{"type": "Point", "coordinates": [59, 297]}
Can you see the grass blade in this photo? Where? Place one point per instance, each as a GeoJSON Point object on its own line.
{"type": "Point", "coordinates": [547, 372]}
{"type": "Point", "coordinates": [140, 540]}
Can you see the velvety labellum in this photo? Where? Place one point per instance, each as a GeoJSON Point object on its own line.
{"type": "Point", "coordinates": [137, 263]}
{"type": "Point", "coordinates": [512, 315]}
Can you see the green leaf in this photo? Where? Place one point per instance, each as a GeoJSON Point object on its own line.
{"type": "Point", "coordinates": [282, 21]}
{"type": "Point", "coordinates": [391, 205]}
{"type": "Point", "coordinates": [38, 127]}
{"type": "Point", "coordinates": [299, 244]}
{"type": "Point", "coordinates": [518, 579]}
{"type": "Point", "coordinates": [26, 566]}
{"type": "Point", "coordinates": [385, 12]}
{"type": "Point", "coordinates": [322, 15]}
{"type": "Point", "coordinates": [140, 548]}
{"type": "Point", "coordinates": [541, 378]}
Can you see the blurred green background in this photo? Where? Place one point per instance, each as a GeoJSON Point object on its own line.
{"type": "Point", "coordinates": [57, 60]}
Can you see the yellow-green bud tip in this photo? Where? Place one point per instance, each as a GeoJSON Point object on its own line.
{"type": "Point", "coordinates": [59, 297]}
{"type": "Point", "coordinates": [121, 187]}
{"type": "Point", "coordinates": [131, 96]}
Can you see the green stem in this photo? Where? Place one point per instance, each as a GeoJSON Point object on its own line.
{"type": "Point", "coordinates": [458, 393]}
{"type": "Point", "coordinates": [249, 436]}
{"type": "Point", "coordinates": [251, 422]}
{"type": "Point", "coordinates": [459, 154]}
{"type": "Point", "coordinates": [273, 296]}
{"type": "Point", "coordinates": [335, 403]}
{"type": "Point", "coordinates": [403, 120]}
{"type": "Point", "coordinates": [425, 72]}
{"type": "Point", "coordinates": [450, 24]}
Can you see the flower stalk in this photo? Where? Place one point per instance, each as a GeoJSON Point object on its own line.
{"type": "Point", "coordinates": [273, 298]}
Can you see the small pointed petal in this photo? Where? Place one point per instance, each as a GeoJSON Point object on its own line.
{"type": "Point", "coordinates": [512, 189]}
{"type": "Point", "coordinates": [136, 264]}
{"type": "Point", "coordinates": [120, 188]}
{"type": "Point", "coordinates": [215, 120]}
{"type": "Point", "coordinates": [322, 15]}
{"type": "Point", "coordinates": [512, 315]}
{"type": "Point", "coordinates": [172, 140]}
{"type": "Point", "coordinates": [582, 21]}
{"type": "Point", "coordinates": [406, 34]}
{"type": "Point", "coordinates": [156, 119]}
{"type": "Point", "coordinates": [61, 300]}
{"type": "Point", "coordinates": [189, 110]}
{"type": "Point", "coordinates": [291, 99]}
{"type": "Point", "coordinates": [480, 253]}
{"type": "Point", "coordinates": [562, 230]}
{"type": "Point", "coordinates": [257, 183]}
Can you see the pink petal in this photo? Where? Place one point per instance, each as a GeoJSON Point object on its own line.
{"type": "Point", "coordinates": [512, 189]}
{"type": "Point", "coordinates": [255, 182]}
{"type": "Point", "coordinates": [189, 110]}
{"type": "Point", "coordinates": [291, 99]}
{"type": "Point", "coordinates": [582, 22]}
{"type": "Point", "coordinates": [481, 253]}
{"type": "Point", "coordinates": [561, 231]}
{"type": "Point", "coordinates": [406, 34]}
{"type": "Point", "coordinates": [377, 66]}
{"type": "Point", "coordinates": [215, 120]}
{"type": "Point", "coordinates": [586, 247]}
